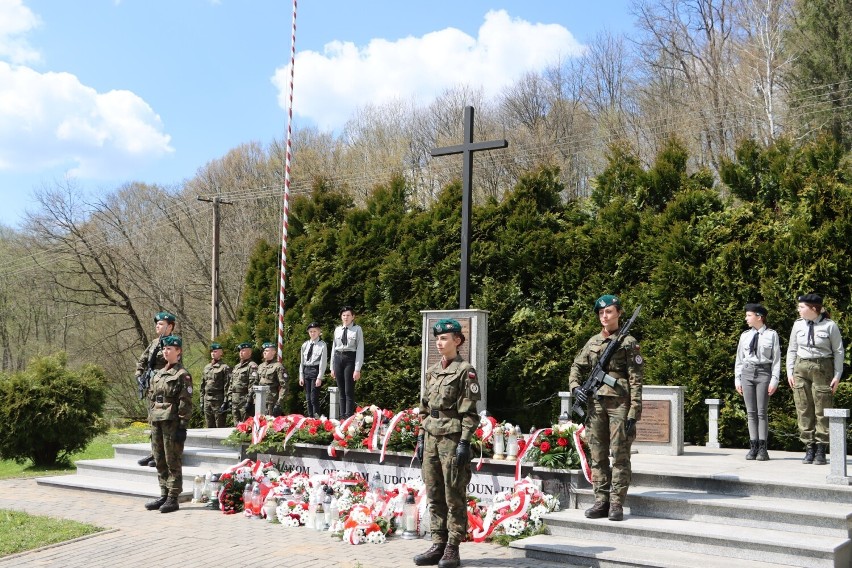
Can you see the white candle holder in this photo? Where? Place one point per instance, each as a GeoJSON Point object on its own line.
{"type": "Point", "coordinates": [499, 444]}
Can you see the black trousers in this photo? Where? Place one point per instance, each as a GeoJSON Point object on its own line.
{"type": "Point", "coordinates": [310, 375]}
{"type": "Point", "coordinates": [344, 369]}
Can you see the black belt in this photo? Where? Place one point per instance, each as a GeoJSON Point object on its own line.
{"type": "Point", "coordinates": [311, 366]}
{"type": "Point", "coordinates": [444, 414]}
{"type": "Point", "coordinates": [347, 353]}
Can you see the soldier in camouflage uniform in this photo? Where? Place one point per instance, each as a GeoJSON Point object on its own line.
{"type": "Point", "coordinates": [449, 419]}
{"type": "Point", "coordinates": [215, 381]}
{"type": "Point", "coordinates": [272, 374]}
{"type": "Point", "coordinates": [153, 355]}
{"type": "Point", "coordinates": [169, 411]}
{"type": "Point", "coordinates": [242, 376]}
{"type": "Point", "coordinates": [612, 415]}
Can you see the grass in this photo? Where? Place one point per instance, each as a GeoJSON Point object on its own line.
{"type": "Point", "coordinates": [20, 531]}
{"type": "Point", "coordinates": [99, 448]}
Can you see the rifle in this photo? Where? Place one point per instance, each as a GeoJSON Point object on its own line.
{"type": "Point", "coordinates": [143, 380]}
{"type": "Point", "coordinates": [598, 376]}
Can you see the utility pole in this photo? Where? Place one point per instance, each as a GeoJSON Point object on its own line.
{"type": "Point", "coordinates": [214, 272]}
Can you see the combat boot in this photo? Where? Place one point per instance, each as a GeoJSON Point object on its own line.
{"type": "Point", "coordinates": [762, 455]}
{"type": "Point", "coordinates": [598, 511]}
{"type": "Point", "coordinates": [156, 503]}
{"type": "Point", "coordinates": [450, 559]}
{"type": "Point", "coordinates": [752, 453]}
{"type": "Point", "coordinates": [432, 556]}
{"type": "Point", "coordinates": [144, 461]}
{"type": "Point", "coordinates": [152, 463]}
{"type": "Point", "coordinates": [616, 512]}
{"type": "Point", "coordinates": [170, 505]}
{"type": "Point", "coordinates": [809, 454]}
{"type": "Point", "coordinates": [819, 456]}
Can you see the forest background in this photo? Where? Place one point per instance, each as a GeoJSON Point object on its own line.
{"type": "Point", "coordinates": [699, 165]}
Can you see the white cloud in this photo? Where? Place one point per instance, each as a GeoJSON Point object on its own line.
{"type": "Point", "coordinates": [329, 86]}
{"type": "Point", "coordinates": [51, 119]}
{"type": "Point", "coordinates": [15, 21]}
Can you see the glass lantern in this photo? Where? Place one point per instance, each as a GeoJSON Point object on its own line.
{"type": "Point", "coordinates": [409, 518]}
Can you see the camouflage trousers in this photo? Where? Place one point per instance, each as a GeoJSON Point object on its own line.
{"type": "Point", "coordinates": [212, 417]}
{"type": "Point", "coordinates": [813, 395]}
{"type": "Point", "coordinates": [446, 488]}
{"type": "Point", "coordinates": [607, 431]}
{"type": "Point", "coordinates": [169, 457]}
{"type": "Point", "coordinates": [238, 408]}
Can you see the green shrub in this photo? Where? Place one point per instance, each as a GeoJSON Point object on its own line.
{"type": "Point", "coordinates": [49, 411]}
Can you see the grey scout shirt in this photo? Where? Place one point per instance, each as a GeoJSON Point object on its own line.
{"type": "Point", "coordinates": [354, 343]}
{"type": "Point", "coordinates": [827, 344]}
{"type": "Point", "coordinates": [768, 352]}
{"type": "Point", "coordinates": [318, 357]}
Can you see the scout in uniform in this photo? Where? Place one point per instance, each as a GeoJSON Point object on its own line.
{"type": "Point", "coordinates": [614, 411]}
{"type": "Point", "coordinates": [814, 369]}
{"type": "Point", "coordinates": [152, 358]}
{"type": "Point", "coordinates": [169, 411]}
{"type": "Point", "coordinates": [272, 374]}
{"type": "Point", "coordinates": [347, 358]}
{"type": "Point", "coordinates": [312, 363]}
{"type": "Point", "coordinates": [215, 381]}
{"type": "Point", "coordinates": [448, 421]}
{"type": "Point", "coordinates": [243, 375]}
{"type": "Point", "coordinates": [757, 369]}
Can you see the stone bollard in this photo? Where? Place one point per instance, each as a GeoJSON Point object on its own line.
{"type": "Point", "coordinates": [713, 422]}
{"type": "Point", "coordinates": [837, 435]}
{"type": "Point", "coordinates": [260, 392]}
{"type": "Point", "coordinates": [564, 407]}
{"type": "Point", "coordinates": [332, 403]}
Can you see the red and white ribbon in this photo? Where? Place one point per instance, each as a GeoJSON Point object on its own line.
{"type": "Point", "coordinates": [487, 431]}
{"type": "Point", "coordinates": [523, 452]}
{"type": "Point", "coordinates": [258, 432]}
{"type": "Point", "coordinates": [391, 426]}
{"type": "Point", "coordinates": [578, 445]}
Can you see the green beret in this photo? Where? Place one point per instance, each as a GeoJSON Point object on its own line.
{"type": "Point", "coordinates": [607, 300]}
{"type": "Point", "coordinates": [245, 345]}
{"type": "Point", "coordinates": [268, 344]}
{"type": "Point", "coordinates": [172, 341]}
{"type": "Point", "coordinates": [214, 346]}
{"type": "Point", "coordinates": [169, 317]}
{"type": "Point", "coordinates": [446, 326]}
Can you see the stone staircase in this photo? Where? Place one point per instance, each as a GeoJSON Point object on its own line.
{"type": "Point", "coordinates": [203, 452]}
{"type": "Point", "coordinates": [705, 520]}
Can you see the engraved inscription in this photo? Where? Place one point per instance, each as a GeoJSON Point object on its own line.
{"type": "Point", "coordinates": [655, 425]}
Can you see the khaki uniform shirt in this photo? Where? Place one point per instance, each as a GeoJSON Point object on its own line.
{"type": "Point", "coordinates": [242, 376]}
{"type": "Point", "coordinates": [625, 366]}
{"type": "Point", "coordinates": [452, 393]}
{"type": "Point", "coordinates": [170, 395]}
{"type": "Point", "coordinates": [215, 382]}
{"type": "Point", "coordinates": [273, 376]}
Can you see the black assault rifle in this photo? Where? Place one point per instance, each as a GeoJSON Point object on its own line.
{"type": "Point", "coordinates": [598, 376]}
{"type": "Point", "coordinates": [143, 380]}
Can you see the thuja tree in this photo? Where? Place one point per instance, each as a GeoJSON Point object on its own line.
{"type": "Point", "coordinates": [50, 411]}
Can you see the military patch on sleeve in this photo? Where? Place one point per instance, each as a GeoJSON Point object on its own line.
{"type": "Point", "coordinates": [474, 387]}
{"type": "Point", "coordinates": [638, 359]}
{"type": "Point", "coordinates": [471, 375]}
{"type": "Point", "coordinates": [189, 390]}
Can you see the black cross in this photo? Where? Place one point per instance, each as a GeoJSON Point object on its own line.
{"type": "Point", "coordinates": [466, 149]}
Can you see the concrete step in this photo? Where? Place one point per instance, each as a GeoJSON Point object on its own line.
{"type": "Point", "coordinates": [147, 489]}
{"type": "Point", "coordinates": [795, 515]}
{"type": "Point", "coordinates": [111, 469]}
{"type": "Point", "coordinates": [612, 553]}
{"type": "Point", "coordinates": [213, 459]}
{"type": "Point", "coordinates": [723, 540]}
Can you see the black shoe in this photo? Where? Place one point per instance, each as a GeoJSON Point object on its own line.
{"type": "Point", "coordinates": [752, 453]}
{"type": "Point", "coordinates": [152, 463]}
{"type": "Point", "coordinates": [762, 455]}
{"type": "Point", "coordinates": [598, 511]}
{"type": "Point", "coordinates": [170, 505]}
{"type": "Point", "coordinates": [809, 454]}
{"type": "Point", "coordinates": [616, 512]}
{"type": "Point", "coordinates": [432, 556]}
{"type": "Point", "coordinates": [156, 503]}
{"type": "Point", "coordinates": [144, 461]}
{"type": "Point", "coordinates": [819, 456]}
{"type": "Point", "coordinates": [450, 559]}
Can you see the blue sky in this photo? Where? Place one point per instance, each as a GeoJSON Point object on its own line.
{"type": "Point", "coordinates": [106, 92]}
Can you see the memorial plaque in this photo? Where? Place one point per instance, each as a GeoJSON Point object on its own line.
{"type": "Point", "coordinates": [432, 355]}
{"type": "Point", "coordinates": [655, 425]}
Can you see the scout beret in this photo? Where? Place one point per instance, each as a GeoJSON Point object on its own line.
{"type": "Point", "coordinates": [607, 300]}
{"type": "Point", "coordinates": [346, 309]}
{"type": "Point", "coordinates": [313, 324]}
{"type": "Point", "coordinates": [245, 345]}
{"type": "Point", "coordinates": [172, 341]}
{"type": "Point", "coordinates": [214, 346]}
{"type": "Point", "coordinates": [167, 316]}
{"type": "Point", "coordinates": [446, 326]}
{"type": "Point", "coordinates": [268, 345]}
{"type": "Point", "coordinates": [810, 299]}
{"type": "Point", "coordinates": [758, 309]}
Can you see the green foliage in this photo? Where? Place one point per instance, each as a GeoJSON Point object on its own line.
{"type": "Point", "coordinates": [49, 411]}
